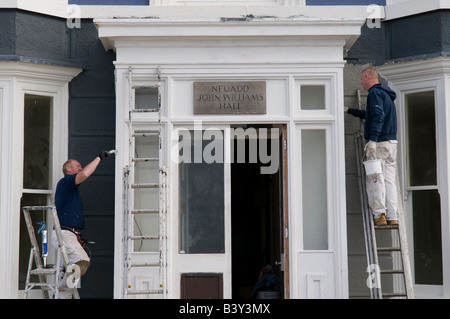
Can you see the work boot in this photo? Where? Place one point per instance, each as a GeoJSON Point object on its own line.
{"type": "Point", "coordinates": [392, 222]}
{"type": "Point", "coordinates": [381, 221]}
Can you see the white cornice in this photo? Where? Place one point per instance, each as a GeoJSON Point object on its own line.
{"type": "Point", "coordinates": [42, 72]}
{"type": "Point", "coordinates": [403, 71]}
{"type": "Point", "coordinates": [299, 28]}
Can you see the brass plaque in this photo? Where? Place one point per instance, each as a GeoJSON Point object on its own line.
{"type": "Point", "coordinates": [230, 97]}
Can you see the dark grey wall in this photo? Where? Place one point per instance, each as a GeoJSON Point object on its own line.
{"type": "Point", "coordinates": [418, 36]}
{"type": "Point", "coordinates": [26, 36]}
{"type": "Point", "coordinates": [91, 130]}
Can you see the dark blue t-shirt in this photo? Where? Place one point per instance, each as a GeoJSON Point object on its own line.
{"type": "Point", "coordinates": [68, 203]}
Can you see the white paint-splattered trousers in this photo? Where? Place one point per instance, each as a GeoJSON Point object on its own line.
{"type": "Point", "coordinates": [75, 253]}
{"type": "Point", "coordinates": [382, 188]}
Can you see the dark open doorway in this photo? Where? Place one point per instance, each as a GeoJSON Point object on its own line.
{"type": "Point", "coordinates": [256, 227]}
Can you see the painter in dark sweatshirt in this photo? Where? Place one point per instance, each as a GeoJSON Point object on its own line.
{"type": "Point", "coordinates": [380, 132]}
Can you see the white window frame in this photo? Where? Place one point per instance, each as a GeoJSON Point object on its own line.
{"type": "Point", "coordinates": [329, 107]}
{"type": "Point", "coordinates": [435, 291]}
{"type": "Point", "coordinates": [16, 80]}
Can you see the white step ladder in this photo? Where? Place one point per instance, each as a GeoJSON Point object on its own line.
{"type": "Point", "coordinates": [130, 186]}
{"type": "Point", "coordinates": [49, 278]}
{"type": "Point", "coordinates": [370, 235]}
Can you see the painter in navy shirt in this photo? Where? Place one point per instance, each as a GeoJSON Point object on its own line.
{"type": "Point", "coordinates": [68, 203]}
{"type": "Point", "coordinates": [67, 196]}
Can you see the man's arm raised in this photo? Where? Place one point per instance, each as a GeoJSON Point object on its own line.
{"type": "Point", "coordinates": [90, 168]}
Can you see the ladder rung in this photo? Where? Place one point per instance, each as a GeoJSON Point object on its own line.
{"type": "Point", "coordinates": [143, 237]}
{"type": "Point", "coordinates": [145, 185]}
{"type": "Point", "coordinates": [43, 271]}
{"type": "Point", "coordinates": [394, 294]}
{"type": "Point", "coordinates": [389, 249]}
{"type": "Point", "coordinates": [391, 271]}
{"type": "Point", "coordinates": [144, 211]}
{"type": "Point", "coordinates": [146, 159]}
{"type": "Point", "coordinates": [146, 134]}
{"type": "Point", "coordinates": [43, 285]}
{"type": "Point", "coordinates": [137, 87]}
{"type": "Point", "coordinates": [386, 227]}
{"type": "Point", "coordinates": [144, 110]}
{"type": "Point", "coordinates": [146, 265]}
{"type": "Point", "coordinates": [144, 292]}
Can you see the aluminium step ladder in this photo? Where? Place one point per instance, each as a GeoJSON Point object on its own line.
{"type": "Point", "coordinates": [130, 186]}
{"type": "Point", "coordinates": [49, 278]}
{"type": "Point", "coordinates": [370, 235]}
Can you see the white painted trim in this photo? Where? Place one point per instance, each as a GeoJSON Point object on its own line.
{"type": "Point", "coordinates": [7, 290]}
{"type": "Point", "coordinates": [406, 8]}
{"type": "Point", "coordinates": [17, 79]}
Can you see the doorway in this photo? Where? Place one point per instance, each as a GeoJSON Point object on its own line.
{"type": "Point", "coordinates": [257, 216]}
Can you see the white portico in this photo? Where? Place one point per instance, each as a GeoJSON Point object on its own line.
{"type": "Point", "coordinates": [293, 219]}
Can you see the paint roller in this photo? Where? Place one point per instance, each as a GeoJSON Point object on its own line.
{"type": "Point", "coordinates": [112, 152]}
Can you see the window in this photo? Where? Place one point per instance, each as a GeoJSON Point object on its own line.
{"type": "Point", "coordinates": [37, 142]}
{"type": "Point", "coordinates": [146, 98]}
{"type": "Point", "coordinates": [201, 193]}
{"type": "Point", "coordinates": [421, 139]}
{"type": "Point", "coordinates": [37, 168]}
{"type": "Point", "coordinates": [314, 190]}
{"type": "Point", "coordinates": [312, 97]}
{"type": "Point", "coordinates": [421, 166]}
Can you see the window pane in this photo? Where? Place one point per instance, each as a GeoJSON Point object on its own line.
{"type": "Point", "coordinates": [421, 139]}
{"type": "Point", "coordinates": [36, 165]}
{"type": "Point", "coordinates": [201, 196]}
{"type": "Point", "coordinates": [312, 97]}
{"type": "Point", "coordinates": [427, 237]}
{"type": "Point", "coordinates": [314, 190]}
{"type": "Point", "coordinates": [146, 98]}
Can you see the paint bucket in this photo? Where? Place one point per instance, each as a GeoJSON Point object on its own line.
{"type": "Point", "coordinates": [373, 167]}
